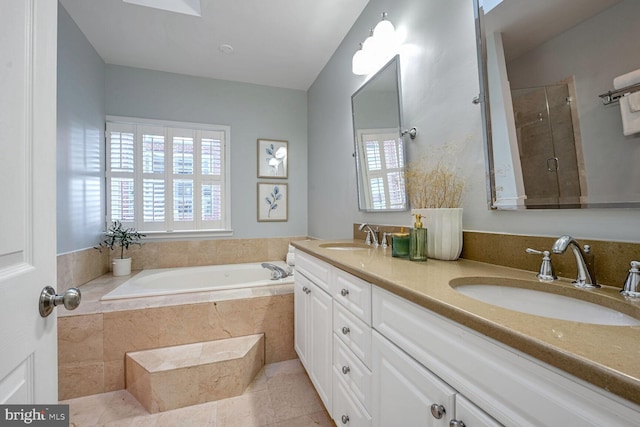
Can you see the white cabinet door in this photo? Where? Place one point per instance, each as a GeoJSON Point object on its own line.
{"type": "Point", "coordinates": [321, 343]}
{"type": "Point", "coordinates": [300, 312]}
{"type": "Point", "coordinates": [469, 415]}
{"type": "Point", "coordinates": [313, 334]}
{"type": "Point", "coordinates": [28, 363]}
{"type": "Point", "coordinates": [405, 391]}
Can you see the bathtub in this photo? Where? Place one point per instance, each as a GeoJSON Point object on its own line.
{"type": "Point", "coordinates": [169, 281]}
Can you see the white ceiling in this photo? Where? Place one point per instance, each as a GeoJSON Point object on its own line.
{"type": "Point", "coordinates": [282, 43]}
{"type": "Point", "coordinates": [525, 24]}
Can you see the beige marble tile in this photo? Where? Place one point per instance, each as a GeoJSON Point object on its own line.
{"type": "Point", "coordinates": [80, 339]}
{"type": "Point", "coordinates": [81, 379]}
{"type": "Point", "coordinates": [168, 378]}
{"type": "Point", "coordinates": [120, 406]}
{"type": "Point", "coordinates": [131, 330]}
{"type": "Point", "coordinates": [295, 399]}
{"type": "Point", "coordinates": [202, 415]}
{"type": "Point", "coordinates": [248, 410]}
{"type": "Point", "coordinates": [114, 375]}
{"type": "Point", "coordinates": [174, 389]}
{"type": "Point", "coordinates": [77, 268]}
{"type": "Point", "coordinates": [316, 419]}
{"type": "Point", "coordinates": [259, 382]}
{"type": "Point", "coordinates": [253, 408]}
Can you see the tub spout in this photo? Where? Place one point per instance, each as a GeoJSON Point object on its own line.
{"type": "Point", "coordinates": [276, 272]}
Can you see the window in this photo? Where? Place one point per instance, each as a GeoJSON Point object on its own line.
{"type": "Point", "coordinates": [384, 168]}
{"type": "Point", "coordinates": [168, 176]}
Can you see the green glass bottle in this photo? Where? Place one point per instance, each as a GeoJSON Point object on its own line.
{"type": "Point", "coordinates": [418, 241]}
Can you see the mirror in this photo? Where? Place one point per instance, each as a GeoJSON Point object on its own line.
{"type": "Point", "coordinates": [379, 146]}
{"type": "Point", "coordinates": [551, 140]}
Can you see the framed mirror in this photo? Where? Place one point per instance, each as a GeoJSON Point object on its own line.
{"type": "Point", "coordinates": [379, 146]}
{"type": "Point", "coordinates": [546, 67]}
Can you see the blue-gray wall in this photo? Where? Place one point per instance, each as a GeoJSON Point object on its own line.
{"type": "Point", "coordinates": [80, 143]}
{"type": "Point", "coordinates": [439, 80]}
{"type": "Point", "coordinates": [252, 111]}
{"type": "Point", "coordinates": [88, 90]}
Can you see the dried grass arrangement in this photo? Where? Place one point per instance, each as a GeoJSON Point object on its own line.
{"type": "Point", "coordinates": [433, 185]}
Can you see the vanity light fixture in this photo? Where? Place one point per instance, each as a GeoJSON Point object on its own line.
{"type": "Point", "coordinates": [377, 49]}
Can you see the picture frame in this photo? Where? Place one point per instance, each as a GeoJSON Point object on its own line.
{"type": "Point", "coordinates": [273, 158]}
{"type": "Point", "coordinates": [273, 202]}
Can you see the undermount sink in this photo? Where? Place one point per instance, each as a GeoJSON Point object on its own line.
{"type": "Point", "coordinates": [345, 246]}
{"type": "Point", "coordinates": [541, 302]}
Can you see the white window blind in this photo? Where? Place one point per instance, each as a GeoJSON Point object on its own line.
{"type": "Point", "coordinates": [384, 171]}
{"type": "Point", "coordinates": [167, 176]}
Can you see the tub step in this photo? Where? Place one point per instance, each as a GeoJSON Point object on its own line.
{"type": "Point", "coordinates": [184, 375]}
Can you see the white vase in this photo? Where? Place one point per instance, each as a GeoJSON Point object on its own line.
{"type": "Point", "coordinates": [121, 266]}
{"type": "Point", "coordinates": [444, 232]}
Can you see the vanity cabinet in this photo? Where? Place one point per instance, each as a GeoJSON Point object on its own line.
{"type": "Point", "coordinates": [313, 320]}
{"type": "Point", "coordinates": [509, 386]}
{"type": "Point", "coordinates": [378, 359]}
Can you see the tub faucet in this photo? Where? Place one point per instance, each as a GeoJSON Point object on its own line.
{"type": "Point", "coordinates": [373, 234]}
{"type": "Point", "coordinates": [586, 275]}
{"type": "Point", "coordinates": [276, 272]}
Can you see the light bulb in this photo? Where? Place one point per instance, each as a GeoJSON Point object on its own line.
{"type": "Point", "coordinates": [359, 63]}
{"type": "Point", "coordinates": [385, 29]}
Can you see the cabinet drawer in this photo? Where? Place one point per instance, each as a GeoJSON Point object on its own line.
{"type": "Point", "coordinates": [347, 411]}
{"type": "Point", "coordinates": [353, 332]}
{"type": "Point", "coordinates": [355, 375]}
{"type": "Point", "coordinates": [317, 271]}
{"type": "Point", "coordinates": [353, 293]}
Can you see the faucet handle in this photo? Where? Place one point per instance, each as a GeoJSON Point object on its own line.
{"type": "Point", "coordinates": [546, 273]}
{"type": "Point", "coordinates": [630, 288]}
{"type": "Point", "coordinates": [384, 243]}
{"type": "Point", "coordinates": [368, 239]}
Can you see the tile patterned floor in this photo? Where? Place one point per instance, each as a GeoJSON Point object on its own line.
{"type": "Point", "coordinates": [280, 396]}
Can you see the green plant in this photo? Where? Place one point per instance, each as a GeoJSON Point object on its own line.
{"type": "Point", "coordinates": [119, 236]}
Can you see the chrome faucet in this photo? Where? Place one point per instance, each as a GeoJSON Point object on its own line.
{"type": "Point", "coordinates": [586, 277]}
{"type": "Point", "coordinates": [276, 272]}
{"type": "Point", "coordinates": [631, 286]}
{"type": "Point", "coordinates": [373, 234]}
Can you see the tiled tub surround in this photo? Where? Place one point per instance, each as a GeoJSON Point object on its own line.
{"type": "Point", "coordinates": [600, 355]}
{"type": "Point", "coordinates": [78, 268]}
{"type": "Point", "coordinates": [93, 339]}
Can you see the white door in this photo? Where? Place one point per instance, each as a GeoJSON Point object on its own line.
{"type": "Point", "coordinates": [28, 42]}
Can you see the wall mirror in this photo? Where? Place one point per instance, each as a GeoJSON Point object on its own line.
{"type": "Point", "coordinates": [552, 142]}
{"type": "Point", "coordinates": [379, 146]}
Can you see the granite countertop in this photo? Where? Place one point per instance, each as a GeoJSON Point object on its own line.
{"type": "Point", "coordinates": [605, 356]}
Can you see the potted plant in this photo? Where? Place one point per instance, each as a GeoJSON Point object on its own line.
{"type": "Point", "coordinates": [119, 236]}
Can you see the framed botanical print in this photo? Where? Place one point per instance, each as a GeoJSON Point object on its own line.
{"type": "Point", "coordinates": [273, 158]}
{"type": "Point", "coordinates": [273, 202]}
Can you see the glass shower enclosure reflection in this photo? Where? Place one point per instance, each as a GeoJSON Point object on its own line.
{"type": "Point", "coordinates": [549, 146]}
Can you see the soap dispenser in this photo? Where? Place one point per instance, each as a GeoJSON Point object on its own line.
{"type": "Point", "coordinates": [418, 241]}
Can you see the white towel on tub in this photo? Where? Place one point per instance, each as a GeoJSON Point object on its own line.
{"type": "Point", "coordinates": [630, 118]}
{"type": "Point", "coordinates": [628, 79]}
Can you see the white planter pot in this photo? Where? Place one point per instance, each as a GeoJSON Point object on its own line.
{"type": "Point", "coordinates": [121, 267]}
{"type": "Point", "coordinates": [444, 232]}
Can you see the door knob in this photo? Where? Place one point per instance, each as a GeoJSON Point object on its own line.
{"type": "Point", "coordinates": [49, 300]}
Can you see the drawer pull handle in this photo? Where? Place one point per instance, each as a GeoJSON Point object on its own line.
{"type": "Point", "coordinates": [437, 411]}
{"type": "Point", "coordinates": [305, 289]}
{"type": "Point", "coordinates": [345, 370]}
{"type": "Point", "coordinates": [344, 292]}
{"type": "Point", "coordinates": [345, 419]}
{"type": "Point", "coordinates": [345, 330]}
